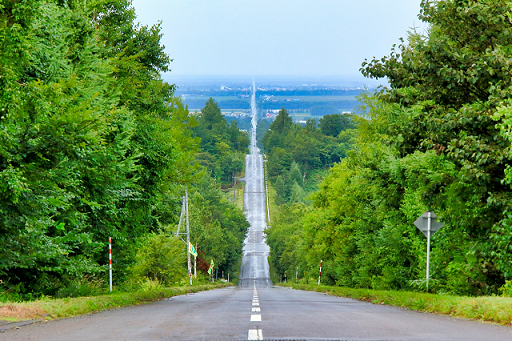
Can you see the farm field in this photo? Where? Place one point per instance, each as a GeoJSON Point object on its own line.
{"type": "Point", "coordinates": [298, 106]}
{"type": "Point", "coordinates": [312, 98]}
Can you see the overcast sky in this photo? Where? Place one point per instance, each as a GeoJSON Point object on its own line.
{"type": "Point", "coordinates": [278, 37]}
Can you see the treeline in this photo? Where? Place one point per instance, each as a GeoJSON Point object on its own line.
{"type": "Point", "coordinates": [226, 104]}
{"type": "Point", "coordinates": [93, 144]}
{"type": "Point", "coordinates": [309, 92]}
{"type": "Point", "coordinates": [318, 108]}
{"type": "Point", "coordinates": [294, 92]}
{"type": "Point", "coordinates": [312, 105]}
{"type": "Point", "coordinates": [216, 93]}
{"type": "Point", "coordinates": [223, 145]}
{"type": "Point", "coordinates": [438, 138]}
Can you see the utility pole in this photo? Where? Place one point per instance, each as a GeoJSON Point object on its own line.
{"type": "Point", "coordinates": [265, 174]}
{"type": "Point", "coordinates": [181, 217]}
{"type": "Point", "coordinates": [234, 187]}
{"type": "Point", "coordinates": [188, 238]}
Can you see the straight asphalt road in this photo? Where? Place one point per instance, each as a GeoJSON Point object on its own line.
{"type": "Point", "coordinates": [257, 310]}
{"type": "Point", "coordinates": [254, 269]}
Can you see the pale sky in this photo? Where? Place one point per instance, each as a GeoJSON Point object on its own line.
{"type": "Point", "coordinates": [278, 37]}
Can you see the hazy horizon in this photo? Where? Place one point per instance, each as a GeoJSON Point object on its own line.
{"type": "Point", "coordinates": [278, 38]}
{"type": "Point", "coordinates": [274, 80]}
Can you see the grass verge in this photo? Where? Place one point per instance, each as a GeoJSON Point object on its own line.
{"type": "Point", "coordinates": [68, 307]}
{"type": "Point", "coordinates": [486, 308]}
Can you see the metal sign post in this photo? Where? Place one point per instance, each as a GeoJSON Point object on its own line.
{"type": "Point", "coordinates": [429, 227]}
{"type": "Point", "coordinates": [428, 224]}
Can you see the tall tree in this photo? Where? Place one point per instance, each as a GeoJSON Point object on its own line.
{"type": "Point", "coordinates": [333, 125]}
{"type": "Point", "coordinates": [223, 145]}
{"type": "Point", "coordinates": [92, 142]}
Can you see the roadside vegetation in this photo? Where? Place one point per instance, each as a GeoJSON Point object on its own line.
{"type": "Point", "coordinates": [47, 308]}
{"type": "Point", "coordinates": [489, 309]}
{"type": "Point", "coordinates": [93, 144]}
{"type": "Point", "coordinates": [437, 138]}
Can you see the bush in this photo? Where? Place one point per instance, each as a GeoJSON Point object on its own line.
{"type": "Point", "coordinates": [85, 286]}
{"type": "Point", "coordinates": [160, 258]}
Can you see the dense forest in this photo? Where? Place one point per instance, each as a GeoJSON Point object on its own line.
{"type": "Point", "coordinates": [437, 138]}
{"type": "Point", "coordinates": [223, 145]}
{"type": "Point", "coordinates": [93, 144]}
{"type": "Point", "coordinates": [298, 156]}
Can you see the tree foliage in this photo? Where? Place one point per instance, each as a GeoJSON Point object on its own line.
{"type": "Point", "coordinates": [223, 144]}
{"type": "Point", "coordinates": [299, 155]}
{"type": "Point", "coordinates": [217, 226]}
{"type": "Point", "coordinates": [93, 144]}
{"type": "Point", "coordinates": [438, 138]}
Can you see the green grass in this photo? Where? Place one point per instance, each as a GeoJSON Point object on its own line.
{"type": "Point", "coordinates": [485, 308]}
{"type": "Point", "coordinates": [239, 195]}
{"type": "Point", "coordinates": [67, 307]}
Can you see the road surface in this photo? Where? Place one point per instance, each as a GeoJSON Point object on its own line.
{"type": "Point", "coordinates": [254, 269]}
{"type": "Point", "coordinates": [257, 310]}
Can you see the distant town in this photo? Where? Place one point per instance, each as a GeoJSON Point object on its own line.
{"type": "Point", "coordinates": [302, 100]}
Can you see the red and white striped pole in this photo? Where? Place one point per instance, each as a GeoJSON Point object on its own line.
{"type": "Point", "coordinates": [320, 272]}
{"type": "Point", "coordinates": [110, 263]}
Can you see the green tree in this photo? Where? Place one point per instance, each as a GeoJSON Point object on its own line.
{"type": "Point", "coordinates": [93, 143]}
{"type": "Point", "coordinates": [333, 125]}
{"type": "Point", "coordinates": [295, 173]}
{"type": "Point", "coordinates": [438, 138]}
{"type": "Point", "coordinates": [160, 257]}
{"type": "Point", "coordinates": [450, 85]}
{"type": "Point", "coordinates": [282, 186]}
{"type": "Point", "coordinates": [297, 194]}
{"type": "Point", "coordinates": [225, 142]}
{"type": "Point", "coordinates": [217, 226]}
{"type": "Point", "coordinates": [285, 239]}
{"type": "Point", "coordinates": [274, 137]}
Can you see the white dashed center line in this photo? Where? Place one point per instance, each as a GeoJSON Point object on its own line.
{"type": "Point", "coordinates": [256, 318]}
{"type": "Point", "coordinates": [255, 334]}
